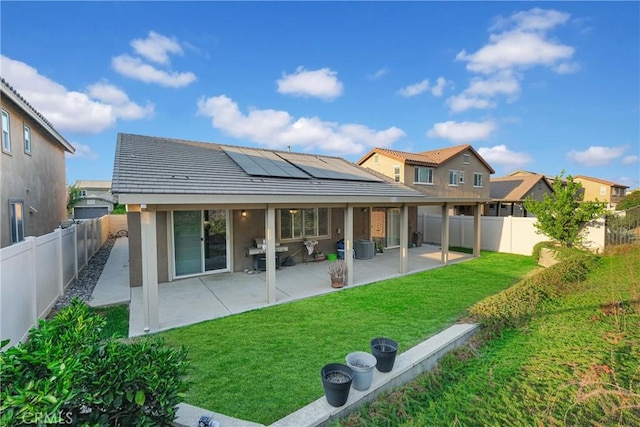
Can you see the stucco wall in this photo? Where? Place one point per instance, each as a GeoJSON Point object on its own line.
{"type": "Point", "coordinates": [36, 179]}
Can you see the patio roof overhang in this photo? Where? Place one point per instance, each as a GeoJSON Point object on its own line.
{"type": "Point", "coordinates": [167, 201]}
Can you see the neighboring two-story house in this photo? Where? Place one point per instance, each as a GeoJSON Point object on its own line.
{"type": "Point", "coordinates": [509, 193]}
{"type": "Point", "coordinates": [453, 172]}
{"type": "Point", "coordinates": [33, 191]}
{"type": "Point", "coordinates": [96, 199]}
{"type": "Point", "coordinates": [596, 189]}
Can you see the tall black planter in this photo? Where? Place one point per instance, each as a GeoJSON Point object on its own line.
{"type": "Point", "coordinates": [336, 381]}
{"type": "Point", "coordinates": [385, 350]}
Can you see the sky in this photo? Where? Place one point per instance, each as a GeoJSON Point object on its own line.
{"type": "Point", "coordinates": [539, 86]}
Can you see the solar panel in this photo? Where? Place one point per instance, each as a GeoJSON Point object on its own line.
{"type": "Point", "coordinates": [263, 163]}
{"type": "Point", "coordinates": [328, 167]}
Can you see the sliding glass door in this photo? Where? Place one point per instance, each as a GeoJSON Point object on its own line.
{"type": "Point", "coordinates": [200, 241]}
{"type": "Point", "coordinates": [393, 227]}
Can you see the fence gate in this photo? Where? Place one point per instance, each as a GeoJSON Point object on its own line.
{"type": "Point", "coordinates": [623, 227]}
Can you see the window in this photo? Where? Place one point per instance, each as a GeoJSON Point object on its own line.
{"type": "Point", "coordinates": [396, 173]}
{"type": "Point", "coordinates": [27, 139]}
{"type": "Point", "coordinates": [91, 201]}
{"type": "Point", "coordinates": [16, 217]}
{"type": "Point", "coordinates": [461, 175]}
{"type": "Point", "coordinates": [376, 159]}
{"type": "Point", "coordinates": [83, 193]}
{"type": "Point", "coordinates": [304, 223]}
{"type": "Point", "coordinates": [465, 159]}
{"type": "Point", "coordinates": [6, 136]}
{"type": "Point", "coordinates": [603, 191]}
{"type": "Point", "coordinates": [453, 178]}
{"type": "Point", "coordinates": [423, 175]}
{"type": "Point", "coordinates": [477, 179]}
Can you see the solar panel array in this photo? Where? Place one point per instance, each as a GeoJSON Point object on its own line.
{"type": "Point", "coordinates": [328, 167]}
{"type": "Point", "coordinates": [263, 163]}
{"type": "Point", "coordinates": [290, 165]}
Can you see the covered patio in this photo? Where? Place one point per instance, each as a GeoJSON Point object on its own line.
{"type": "Point", "coordinates": [196, 299]}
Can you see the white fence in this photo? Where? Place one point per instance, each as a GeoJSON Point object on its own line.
{"type": "Point", "coordinates": [514, 235]}
{"type": "Point", "coordinates": [35, 273]}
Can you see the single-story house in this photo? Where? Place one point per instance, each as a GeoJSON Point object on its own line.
{"type": "Point", "coordinates": [197, 208]}
{"type": "Point", "coordinates": [509, 193]}
{"type": "Point", "coordinates": [96, 199]}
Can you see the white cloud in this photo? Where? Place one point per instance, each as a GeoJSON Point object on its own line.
{"type": "Point", "coordinates": [596, 155]}
{"type": "Point", "coordinates": [462, 132]}
{"type": "Point", "coordinates": [322, 83]}
{"type": "Point", "coordinates": [92, 111]}
{"type": "Point", "coordinates": [138, 70]}
{"type": "Point", "coordinates": [501, 155]}
{"type": "Point", "coordinates": [463, 102]}
{"type": "Point", "coordinates": [438, 89]}
{"type": "Point", "coordinates": [414, 89]}
{"type": "Point", "coordinates": [629, 160]}
{"type": "Point", "coordinates": [82, 152]}
{"type": "Point", "coordinates": [516, 43]}
{"type": "Point", "coordinates": [156, 47]}
{"type": "Point", "coordinates": [278, 129]}
{"type": "Point", "coordinates": [378, 74]}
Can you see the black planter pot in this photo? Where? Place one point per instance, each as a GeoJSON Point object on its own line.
{"type": "Point", "coordinates": [336, 381]}
{"type": "Point", "coordinates": [385, 350]}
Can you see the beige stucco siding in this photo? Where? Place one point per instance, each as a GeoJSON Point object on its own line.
{"type": "Point", "coordinates": [385, 166]}
{"type": "Point", "coordinates": [36, 179]}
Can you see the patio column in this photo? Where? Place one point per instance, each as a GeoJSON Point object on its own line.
{"type": "Point", "coordinates": [348, 243]}
{"type": "Point", "coordinates": [149, 270]}
{"type": "Point", "coordinates": [270, 235]}
{"type": "Point", "coordinates": [477, 226]}
{"type": "Point", "coordinates": [444, 254]}
{"type": "Point", "coordinates": [404, 239]}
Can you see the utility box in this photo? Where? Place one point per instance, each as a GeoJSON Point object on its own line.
{"type": "Point", "coordinates": [365, 249]}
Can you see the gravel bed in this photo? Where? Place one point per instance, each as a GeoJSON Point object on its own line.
{"type": "Point", "coordinates": [83, 286]}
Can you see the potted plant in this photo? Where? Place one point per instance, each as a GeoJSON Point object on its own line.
{"type": "Point", "coordinates": [338, 273]}
{"type": "Point", "coordinates": [336, 381]}
{"type": "Point", "coordinates": [362, 365]}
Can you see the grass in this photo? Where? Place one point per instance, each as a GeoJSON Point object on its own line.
{"type": "Point", "coordinates": [576, 363]}
{"type": "Point", "coordinates": [264, 364]}
{"type": "Point", "coordinates": [117, 317]}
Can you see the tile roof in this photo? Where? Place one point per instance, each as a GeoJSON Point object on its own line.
{"type": "Point", "coordinates": [92, 183]}
{"type": "Point", "coordinates": [15, 96]}
{"type": "Point", "coordinates": [514, 188]}
{"type": "Point", "coordinates": [156, 165]}
{"type": "Point", "coordinates": [601, 181]}
{"type": "Point", "coordinates": [427, 158]}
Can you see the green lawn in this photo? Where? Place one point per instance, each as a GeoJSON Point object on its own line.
{"type": "Point", "coordinates": [576, 363]}
{"type": "Point", "coordinates": [264, 364]}
{"type": "Point", "coordinates": [117, 317]}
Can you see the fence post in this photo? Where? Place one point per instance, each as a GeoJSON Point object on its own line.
{"type": "Point", "coordinates": [86, 246]}
{"type": "Point", "coordinates": [75, 250]}
{"type": "Point", "coordinates": [60, 262]}
{"type": "Point", "coordinates": [34, 286]}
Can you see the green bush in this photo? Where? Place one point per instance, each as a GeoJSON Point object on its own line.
{"type": "Point", "coordinates": [516, 304]}
{"type": "Point", "coordinates": [67, 374]}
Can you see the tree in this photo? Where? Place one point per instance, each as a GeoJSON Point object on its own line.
{"type": "Point", "coordinates": [562, 215]}
{"type": "Point", "coordinates": [630, 201]}
{"type": "Point", "coordinates": [73, 197]}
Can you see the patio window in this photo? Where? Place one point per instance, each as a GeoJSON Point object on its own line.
{"type": "Point", "coordinates": [423, 175]}
{"type": "Point", "coordinates": [304, 223]}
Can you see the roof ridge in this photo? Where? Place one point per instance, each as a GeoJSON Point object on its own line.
{"type": "Point", "coordinates": [22, 98]}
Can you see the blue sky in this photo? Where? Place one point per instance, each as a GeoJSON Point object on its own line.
{"type": "Point", "coordinates": [536, 86]}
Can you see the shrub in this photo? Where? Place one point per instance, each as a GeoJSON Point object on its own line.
{"type": "Point", "coordinates": [66, 373]}
{"type": "Point", "coordinates": [514, 305]}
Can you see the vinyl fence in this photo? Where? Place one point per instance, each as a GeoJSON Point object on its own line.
{"type": "Point", "coordinates": [35, 273]}
{"type": "Point", "coordinates": [516, 235]}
